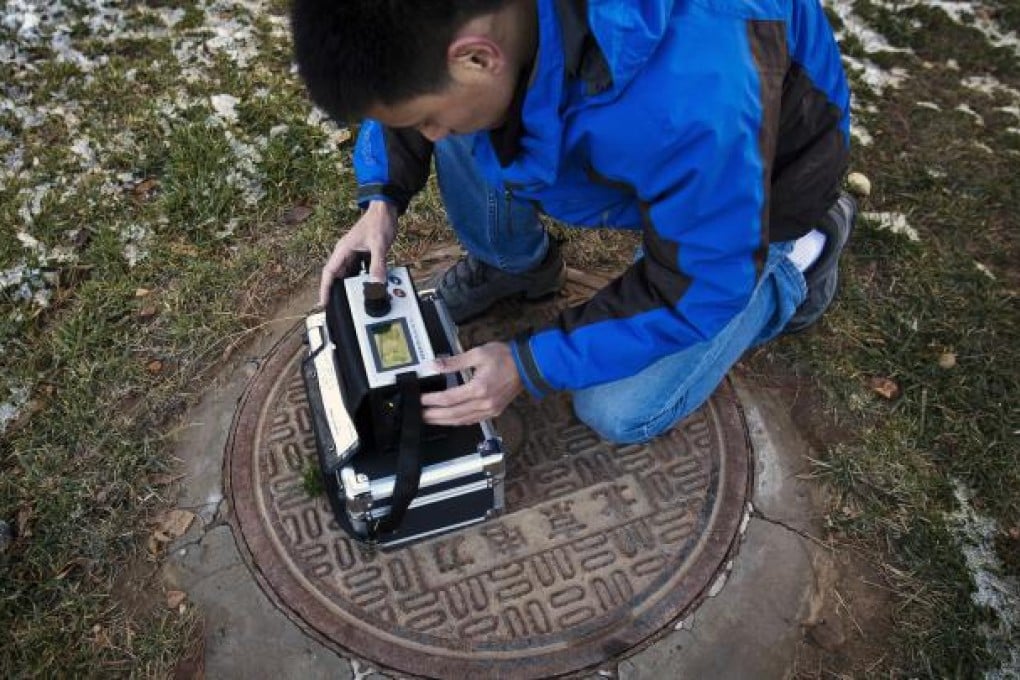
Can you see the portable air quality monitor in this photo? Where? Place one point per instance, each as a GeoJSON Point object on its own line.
{"type": "Point", "coordinates": [390, 477]}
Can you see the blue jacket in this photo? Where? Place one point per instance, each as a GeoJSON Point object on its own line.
{"type": "Point", "coordinates": [713, 126]}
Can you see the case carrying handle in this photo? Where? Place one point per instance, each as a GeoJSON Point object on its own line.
{"type": "Point", "coordinates": [408, 473]}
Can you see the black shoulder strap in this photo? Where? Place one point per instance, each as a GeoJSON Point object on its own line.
{"type": "Point", "coordinates": [408, 475]}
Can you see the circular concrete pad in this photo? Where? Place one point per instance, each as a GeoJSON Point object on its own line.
{"type": "Point", "coordinates": [600, 547]}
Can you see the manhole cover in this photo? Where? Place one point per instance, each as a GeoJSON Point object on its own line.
{"type": "Point", "coordinates": [600, 547]}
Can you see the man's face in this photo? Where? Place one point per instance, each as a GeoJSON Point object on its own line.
{"type": "Point", "coordinates": [470, 102]}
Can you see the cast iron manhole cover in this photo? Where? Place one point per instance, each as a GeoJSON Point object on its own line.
{"type": "Point", "coordinates": [600, 546]}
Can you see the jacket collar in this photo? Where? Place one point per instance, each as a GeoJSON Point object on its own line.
{"type": "Point", "coordinates": [599, 45]}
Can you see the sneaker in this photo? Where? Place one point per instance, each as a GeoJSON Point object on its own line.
{"type": "Point", "coordinates": [822, 277]}
{"type": "Point", "coordinates": [470, 287]}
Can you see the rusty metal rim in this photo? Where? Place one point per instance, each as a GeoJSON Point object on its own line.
{"type": "Point", "coordinates": [287, 593]}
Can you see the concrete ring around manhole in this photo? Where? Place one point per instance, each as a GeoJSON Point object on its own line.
{"type": "Point", "coordinates": [600, 546]}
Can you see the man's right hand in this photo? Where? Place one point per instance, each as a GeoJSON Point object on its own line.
{"type": "Point", "coordinates": [374, 231]}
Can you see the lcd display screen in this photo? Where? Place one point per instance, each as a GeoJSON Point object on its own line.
{"type": "Point", "coordinates": [392, 348]}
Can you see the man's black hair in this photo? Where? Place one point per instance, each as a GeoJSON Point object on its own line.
{"type": "Point", "coordinates": [355, 54]}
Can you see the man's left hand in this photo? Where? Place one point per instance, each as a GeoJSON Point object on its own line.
{"type": "Point", "coordinates": [494, 385]}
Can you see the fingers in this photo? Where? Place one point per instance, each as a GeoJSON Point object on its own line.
{"type": "Point", "coordinates": [335, 266]}
{"type": "Point", "coordinates": [377, 266]}
{"type": "Point", "coordinates": [456, 406]}
{"type": "Point", "coordinates": [457, 362]}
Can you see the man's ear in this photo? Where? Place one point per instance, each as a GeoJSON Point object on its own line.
{"type": "Point", "coordinates": [471, 56]}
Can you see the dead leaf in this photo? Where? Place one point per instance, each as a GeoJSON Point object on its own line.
{"type": "Point", "coordinates": [141, 292]}
{"type": "Point", "coordinates": [154, 366]}
{"type": "Point", "coordinates": [884, 387]}
{"type": "Point", "coordinates": [66, 569]}
{"type": "Point", "coordinates": [297, 214]}
{"type": "Point", "coordinates": [947, 360]}
{"type": "Point", "coordinates": [168, 526]}
{"type": "Point", "coordinates": [175, 598]}
{"type": "Point", "coordinates": [179, 248]}
{"type": "Point", "coordinates": [100, 637]}
{"type": "Point", "coordinates": [1014, 533]}
{"type": "Point", "coordinates": [24, 520]}
{"type": "Point", "coordinates": [145, 188]}
{"type": "Point", "coordinates": [147, 312]}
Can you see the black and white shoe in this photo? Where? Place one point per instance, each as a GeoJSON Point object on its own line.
{"type": "Point", "coordinates": [822, 276]}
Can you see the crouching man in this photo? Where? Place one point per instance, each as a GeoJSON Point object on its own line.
{"type": "Point", "coordinates": [719, 130]}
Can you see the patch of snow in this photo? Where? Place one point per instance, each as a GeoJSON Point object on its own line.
{"type": "Point", "coordinates": [990, 86]}
{"type": "Point", "coordinates": [225, 105]}
{"type": "Point", "coordinates": [872, 41]}
{"type": "Point", "coordinates": [11, 407]}
{"type": "Point", "coordinates": [135, 238]}
{"type": "Point", "coordinates": [229, 229]}
{"type": "Point", "coordinates": [992, 589]}
{"type": "Point", "coordinates": [984, 147]}
{"type": "Point", "coordinates": [1012, 110]}
{"type": "Point", "coordinates": [964, 13]}
{"type": "Point", "coordinates": [964, 108]}
{"type": "Point", "coordinates": [928, 105]}
{"type": "Point", "coordinates": [244, 175]}
{"type": "Point", "coordinates": [985, 270]}
{"type": "Point", "coordinates": [859, 133]}
{"type": "Point", "coordinates": [82, 148]}
{"type": "Point", "coordinates": [893, 222]}
{"type": "Point", "coordinates": [875, 77]}
{"type": "Point", "coordinates": [32, 205]}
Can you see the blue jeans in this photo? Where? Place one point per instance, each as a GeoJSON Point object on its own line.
{"type": "Point", "coordinates": [507, 234]}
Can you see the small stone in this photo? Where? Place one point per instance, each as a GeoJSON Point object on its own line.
{"type": "Point", "coordinates": [859, 184]}
{"type": "Point", "coordinates": [141, 292]}
{"type": "Point", "coordinates": [155, 366]}
{"type": "Point", "coordinates": [147, 312]}
{"type": "Point", "coordinates": [947, 360]}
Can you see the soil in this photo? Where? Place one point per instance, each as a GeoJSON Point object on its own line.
{"type": "Point", "coordinates": [848, 631]}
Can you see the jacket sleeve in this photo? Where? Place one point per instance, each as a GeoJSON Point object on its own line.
{"type": "Point", "coordinates": [390, 164]}
{"type": "Point", "coordinates": [703, 196]}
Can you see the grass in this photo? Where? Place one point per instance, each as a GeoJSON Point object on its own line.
{"type": "Point", "coordinates": [157, 258]}
{"type": "Point", "coordinates": [106, 370]}
{"type": "Point", "coordinates": [903, 308]}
